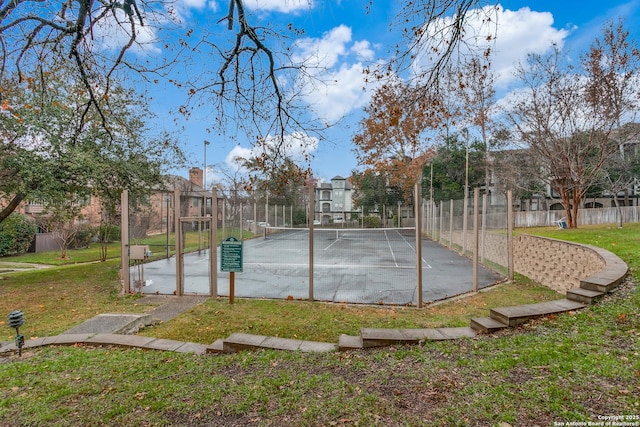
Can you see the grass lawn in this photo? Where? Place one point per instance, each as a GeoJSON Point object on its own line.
{"type": "Point", "coordinates": [570, 368]}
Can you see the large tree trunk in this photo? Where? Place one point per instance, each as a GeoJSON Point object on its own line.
{"type": "Point", "coordinates": [618, 210]}
{"type": "Point", "coordinates": [565, 196]}
{"type": "Point", "coordinates": [12, 206]}
{"type": "Point", "coordinates": [574, 209]}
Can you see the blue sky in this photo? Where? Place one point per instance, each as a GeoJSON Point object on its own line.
{"type": "Point", "coordinates": [348, 38]}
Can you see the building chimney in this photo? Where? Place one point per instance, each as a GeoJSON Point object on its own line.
{"type": "Point", "coordinates": [196, 176]}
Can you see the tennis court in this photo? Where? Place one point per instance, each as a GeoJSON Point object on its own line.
{"type": "Point", "coordinates": [349, 265]}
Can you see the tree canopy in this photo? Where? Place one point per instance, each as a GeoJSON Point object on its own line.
{"type": "Point", "coordinates": [47, 156]}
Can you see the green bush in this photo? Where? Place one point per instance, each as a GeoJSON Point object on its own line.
{"type": "Point", "coordinates": [82, 238]}
{"type": "Point", "coordinates": [107, 233]}
{"type": "Point", "coordinates": [16, 234]}
{"type": "Point", "coordinates": [371, 221]}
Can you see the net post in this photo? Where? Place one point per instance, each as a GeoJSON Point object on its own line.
{"type": "Point", "coordinates": [418, 242]}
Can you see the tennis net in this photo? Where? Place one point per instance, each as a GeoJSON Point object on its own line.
{"type": "Point", "coordinates": [360, 234]}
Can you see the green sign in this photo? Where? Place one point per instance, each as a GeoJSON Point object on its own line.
{"type": "Point", "coordinates": [231, 255]}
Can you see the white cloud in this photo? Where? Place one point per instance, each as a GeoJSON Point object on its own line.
{"type": "Point", "coordinates": [335, 80]}
{"type": "Point", "coordinates": [297, 146]}
{"type": "Point", "coordinates": [237, 156]}
{"type": "Point", "coordinates": [511, 35]}
{"type": "Point", "coordinates": [363, 50]}
{"type": "Point", "coordinates": [284, 6]}
{"type": "Point", "coordinates": [323, 52]}
{"type": "Point", "coordinates": [519, 33]}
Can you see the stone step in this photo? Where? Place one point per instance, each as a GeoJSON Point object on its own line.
{"type": "Point", "coordinates": [601, 282]}
{"type": "Point", "coordinates": [514, 316]}
{"type": "Point", "coordinates": [240, 342]}
{"type": "Point", "coordinates": [349, 342]}
{"type": "Point", "coordinates": [584, 296]}
{"type": "Point", "coordinates": [486, 325]}
{"type": "Point", "coordinates": [216, 347]}
{"type": "Point", "coordinates": [372, 337]}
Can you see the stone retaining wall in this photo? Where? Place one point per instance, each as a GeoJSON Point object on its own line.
{"type": "Point", "coordinates": [558, 264]}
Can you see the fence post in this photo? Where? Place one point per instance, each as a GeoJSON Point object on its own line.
{"type": "Point", "coordinates": [124, 242]}
{"type": "Point", "coordinates": [178, 238]}
{"type": "Point", "coordinates": [451, 224]}
{"type": "Point", "coordinates": [418, 216]}
{"type": "Point", "coordinates": [312, 208]}
{"type": "Point", "coordinates": [213, 251]}
{"type": "Point", "coordinates": [484, 227]}
{"type": "Point", "coordinates": [441, 221]}
{"type": "Point", "coordinates": [476, 232]}
{"type": "Point", "coordinates": [510, 233]}
{"type": "Point", "coordinates": [465, 223]}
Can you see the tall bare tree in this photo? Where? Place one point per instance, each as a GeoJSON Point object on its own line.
{"type": "Point", "coordinates": [567, 117]}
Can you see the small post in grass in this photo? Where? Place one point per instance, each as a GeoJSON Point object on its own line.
{"type": "Point", "coordinates": [16, 319]}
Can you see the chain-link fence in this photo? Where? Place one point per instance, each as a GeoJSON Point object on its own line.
{"type": "Point", "coordinates": [477, 227]}
{"type": "Point", "coordinates": [289, 252]}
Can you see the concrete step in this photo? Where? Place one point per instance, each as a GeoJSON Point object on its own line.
{"type": "Point", "coordinates": [372, 337]}
{"type": "Point", "coordinates": [584, 296]}
{"type": "Point", "coordinates": [486, 325]}
{"type": "Point", "coordinates": [601, 282]}
{"type": "Point", "coordinates": [349, 342]}
{"type": "Point", "coordinates": [216, 347]}
{"type": "Point", "coordinates": [240, 342]}
{"type": "Point", "coordinates": [514, 316]}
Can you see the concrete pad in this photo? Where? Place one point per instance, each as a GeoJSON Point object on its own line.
{"type": "Point", "coordinates": [120, 340]}
{"type": "Point", "coordinates": [239, 342]}
{"type": "Point", "coordinates": [457, 333]}
{"type": "Point", "coordinates": [381, 334]}
{"type": "Point", "coordinates": [281, 343]}
{"type": "Point", "coordinates": [345, 271]}
{"type": "Point", "coordinates": [191, 347]}
{"type": "Point", "coordinates": [37, 342]}
{"type": "Point", "coordinates": [317, 347]}
{"type": "Point", "coordinates": [417, 335]}
{"type": "Point", "coordinates": [67, 339]}
{"type": "Point", "coordinates": [8, 347]}
{"type": "Point", "coordinates": [163, 344]}
{"type": "Point", "coordinates": [566, 305]}
{"type": "Point", "coordinates": [112, 323]}
{"type": "Point", "coordinates": [380, 337]}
